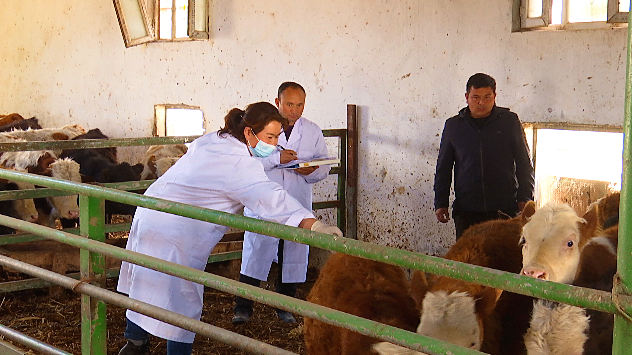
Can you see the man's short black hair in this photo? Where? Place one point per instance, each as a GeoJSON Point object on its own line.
{"type": "Point", "coordinates": [289, 84]}
{"type": "Point", "coordinates": [480, 80]}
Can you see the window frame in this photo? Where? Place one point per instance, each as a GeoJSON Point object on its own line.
{"type": "Point", "coordinates": [124, 22]}
{"type": "Point", "coordinates": [521, 22]}
{"type": "Point", "coordinates": [149, 14]}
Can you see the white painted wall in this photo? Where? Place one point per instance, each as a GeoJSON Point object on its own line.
{"type": "Point", "coordinates": [405, 63]}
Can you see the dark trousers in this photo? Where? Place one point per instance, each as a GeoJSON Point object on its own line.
{"type": "Point", "coordinates": [134, 332]}
{"type": "Point", "coordinates": [465, 219]}
{"type": "Point", "coordinates": [288, 289]}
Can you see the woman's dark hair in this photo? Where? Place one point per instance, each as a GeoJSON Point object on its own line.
{"type": "Point", "coordinates": [256, 116]}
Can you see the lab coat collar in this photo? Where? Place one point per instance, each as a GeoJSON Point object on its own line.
{"type": "Point", "coordinates": [297, 131]}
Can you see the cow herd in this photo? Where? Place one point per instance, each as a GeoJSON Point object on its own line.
{"type": "Point", "coordinates": [88, 165]}
{"type": "Point", "coordinates": [550, 243]}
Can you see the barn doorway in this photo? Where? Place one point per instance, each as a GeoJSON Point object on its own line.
{"type": "Point", "coordinates": [576, 165]}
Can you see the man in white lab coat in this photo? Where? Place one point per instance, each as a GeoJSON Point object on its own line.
{"type": "Point", "coordinates": [303, 140]}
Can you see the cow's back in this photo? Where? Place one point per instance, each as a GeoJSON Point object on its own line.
{"type": "Point", "coordinates": [361, 287]}
{"type": "Point", "coordinates": [493, 244]}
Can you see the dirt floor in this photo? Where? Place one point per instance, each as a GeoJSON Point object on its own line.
{"type": "Point", "coordinates": [57, 321]}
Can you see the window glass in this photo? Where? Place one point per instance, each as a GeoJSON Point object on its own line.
{"type": "Point", "coordinates": [134, 18]}
{"type": "Point", "coordinates": [184, 122]}
{"type": "Point", "coordinates": [165, 19]}
{"type": "Point", "coordinates": [587, 10]}
{"type": "Point", "coordinates": [580, 154]}
{"type": "Point", "coordinates": [182, 18]}
{"type": "Point", "coordinates": [534, 8]}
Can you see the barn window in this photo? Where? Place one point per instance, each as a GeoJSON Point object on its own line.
{"type": "Point", "coordinates": [569, 14]}
{"type": "Point", "coordinates": [178, 120]}
{"type": "Point", "coordinates": [576, 165]}
{"type": "Point", "coordinates": [143, 21]}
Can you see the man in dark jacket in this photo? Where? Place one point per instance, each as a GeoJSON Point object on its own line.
{"type": "Point", "coordinates": [487, 147]}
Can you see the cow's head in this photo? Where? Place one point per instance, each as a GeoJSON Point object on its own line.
{"type": "Point", "coordinates": [552, 241]}
{"type": "Point", "coordinates": [455, 317]}
{"type": "Point", "coordinates": [66, 169]}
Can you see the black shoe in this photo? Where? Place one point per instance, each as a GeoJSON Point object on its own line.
{"type": "Point", "coordinates": [131, 349]}
{"type": "Point", "coordinates": [240, 317]}
{"type": "Point", "coordinates": [286, 316]}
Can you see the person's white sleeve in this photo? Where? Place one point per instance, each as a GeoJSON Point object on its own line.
{"type": "Point", "coordinates": [271, 161]}
{"type": "Point", "coordinates": [267, 199]}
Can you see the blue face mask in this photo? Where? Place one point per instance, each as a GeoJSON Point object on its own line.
{"type": "Point", "coordinates": [262, 149]}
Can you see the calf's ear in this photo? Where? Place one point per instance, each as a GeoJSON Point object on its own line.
{"type": "Point", "coordinates": [486, 300]}
{"type": "Point", "coordinates": [589, 227]}
{"type": "Point", "coordinates": [528, 211]}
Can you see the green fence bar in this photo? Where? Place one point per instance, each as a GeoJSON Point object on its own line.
{"type": "Point", "coordinates": [623, 279]}
{"type": "Point", "coordinates": [25, 237]}
{"type": "Point", "coordinates": [92, 267]}
{"type": "Point", "coordinates": [93, 143]}
{"type": "Point", "coordinates": [593, 299]}
{"type": "Point", "coordinates": [361, 325]}
{"type": "Point", "coordinates": [207, 330]}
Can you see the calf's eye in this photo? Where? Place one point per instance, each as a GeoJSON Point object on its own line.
{"type": "Point", "coordinates": [570, 243]}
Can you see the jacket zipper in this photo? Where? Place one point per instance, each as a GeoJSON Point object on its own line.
{"type": "Point", "coordinates": [480, 148]}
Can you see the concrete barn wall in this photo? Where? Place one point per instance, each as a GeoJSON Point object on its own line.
{"type": "Point", "coordinates": [405, 63]}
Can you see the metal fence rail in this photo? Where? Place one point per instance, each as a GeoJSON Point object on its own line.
{"type": "Point", "coordinates": [521, 284]}
{"type": "Point", "coordinates": [93, 310]}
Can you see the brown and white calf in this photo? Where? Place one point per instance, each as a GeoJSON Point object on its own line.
{"type": "Point", "coordinates": [465, 313]}
{"type": "Point", "coordinates": [560, 246]}
{"type": "Point", "coordinates": [46, 163]}
{"type": "Point", "coordinates": [364, 288]}
{"type": "Point", "coordinates": [159, 158]}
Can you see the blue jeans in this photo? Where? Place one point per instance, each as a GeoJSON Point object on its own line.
{"type": "Point", "coordinates": [134, 332]}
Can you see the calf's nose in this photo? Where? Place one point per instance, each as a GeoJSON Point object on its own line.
{"type": "Point", "coordinates": [536, 273]}
{"type": "Point", "coordinates": [33, 217]}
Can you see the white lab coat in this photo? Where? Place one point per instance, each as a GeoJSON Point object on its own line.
{"type": "Point", "coordinates": [216, 173]}
{"type": "Point", "coordinates": [260, 250]}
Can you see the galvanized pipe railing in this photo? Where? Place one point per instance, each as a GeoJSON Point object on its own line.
{"type": "Point", "coordinates": [40, 347]}
{"type": "Point", "coordinates": [199, 327]}
{"type": "Point", "coordinates": [93, 312]}
{"type": "Point", "coordinates": [623, 279]}
{"type": "Point", "coordinates": [598, 300]}
{"type": "Point", "coordinates": [361, 325]}
{"type": "Point", "coordinates": [93, 143]}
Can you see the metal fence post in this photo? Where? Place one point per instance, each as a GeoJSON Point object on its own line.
{"type": "Point", "coordinates": [623, 279]}
{"type": "Point", "coordinates": [93, 311]}
{"type": "Point", "coordinates": [351, 190]}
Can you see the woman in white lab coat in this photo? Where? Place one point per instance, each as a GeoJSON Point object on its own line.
{"type": "Point", "coordinates": [218, 172]}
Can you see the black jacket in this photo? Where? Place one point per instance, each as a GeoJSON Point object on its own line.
{"type": "Point", "coordinates": [492, 167]}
